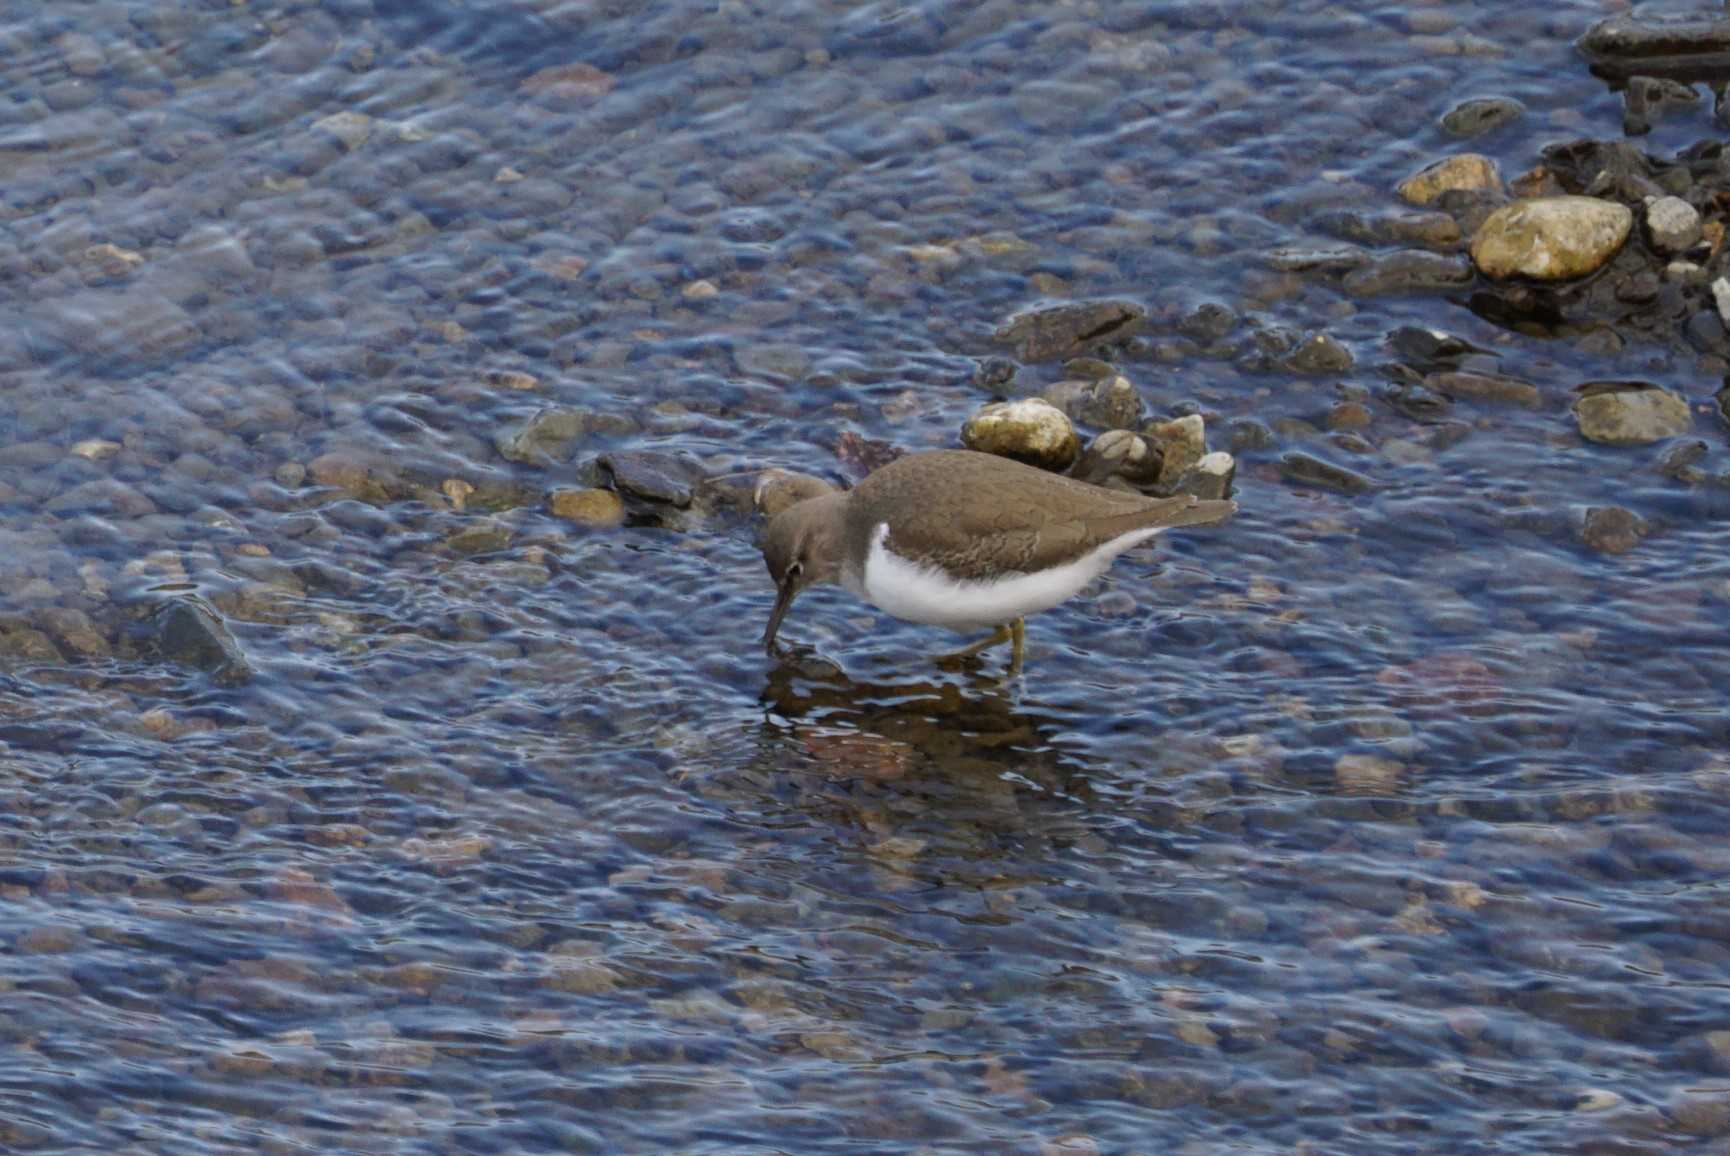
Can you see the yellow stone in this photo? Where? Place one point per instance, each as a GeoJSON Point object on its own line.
{"type": "Point", "coordinates": [456, 491]}
{"type": "Point", "coordinates": [1550, 238]}
{"type": "Point", "coordinates": [1461, 171]}
{"type": "Point", "coordinates": [598, 508]}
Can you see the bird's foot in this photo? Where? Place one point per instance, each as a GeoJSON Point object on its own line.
{"type": "Point", "coordinates": [1014, 633]}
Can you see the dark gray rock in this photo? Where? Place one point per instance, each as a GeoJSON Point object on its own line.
{"type": "Point", "coordinates": [1430, 347]}
{"type": "Point", "coordinates": [1613, 169]}
{"type": "Point", "coordinates": [189, 633]}
{"type": "Point", "coordinates": [653, 476]}
{"type": "Point", "coordinates": [1705, 331]}
{"type": "Point", "coordinates": [1307, 469]}
{"type": "Point", "coordinates": [1247, 434]}
{"type": "Point", "coordinates": [1630, 38]}
{"type": "Point", "coordinates": [1056, 332]}
{"type": "Point", "coordinates": [1418, 402]}
{"type": "Point", "coordinates": [1321, 354]}
{"type": "Point", "coordinates": [1640, 288]}
{"type": "Point", "coordinates": [994, 374]}
{"type": "Point", "coordinates": [1209, 322]}
{"type": "Point", "coordinates": [1478, 116]}
{"type": "Point", "coordinates": [1648, 98]}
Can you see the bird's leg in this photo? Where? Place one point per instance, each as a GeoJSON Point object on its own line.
{"type": "Point", "coordinates": [1014, 633]}
{"type": "Point", "coordinates": [1001, 634]}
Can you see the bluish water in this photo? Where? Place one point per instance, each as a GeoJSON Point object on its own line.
{"type": "Point", "coordinates": [1388, 821]}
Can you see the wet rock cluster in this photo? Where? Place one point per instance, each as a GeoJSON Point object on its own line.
{"type": "Point", "coordinates": [1158, 457]}
{"type": "Point", "coordinates": [1601, 239]}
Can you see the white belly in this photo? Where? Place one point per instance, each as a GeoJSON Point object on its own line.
{"type": "Point", "coordinates": [929, 595]}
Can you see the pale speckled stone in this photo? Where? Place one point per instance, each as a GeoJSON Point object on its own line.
{"type": "Point", "coordinates": [1627, 417]}
{"type": "Point", "coordinates": [1551, 238]}
{"type": "Point", "coordinates": [1030, 430]}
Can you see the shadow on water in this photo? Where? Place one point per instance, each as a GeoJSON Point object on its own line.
{"type": "Point", "coordinates": [970, 722]}
{"type": "Point", "coordinates": [957, 766]}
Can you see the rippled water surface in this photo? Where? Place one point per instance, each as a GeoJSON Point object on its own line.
{"type": "Point", "coordinates": [356, 799]}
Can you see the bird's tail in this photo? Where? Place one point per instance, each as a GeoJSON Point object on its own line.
{"type": "Point", "coordinates": [1166, 514]}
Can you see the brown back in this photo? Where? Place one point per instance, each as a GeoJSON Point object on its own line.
{"type": "Point", "coordinates": [979, 515]}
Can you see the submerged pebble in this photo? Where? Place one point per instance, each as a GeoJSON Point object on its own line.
{"type": "Point", "coordinates": [1630, 413]}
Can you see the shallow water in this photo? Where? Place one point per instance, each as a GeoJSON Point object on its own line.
{"type": "Point", "coordinates": [1378, 821]}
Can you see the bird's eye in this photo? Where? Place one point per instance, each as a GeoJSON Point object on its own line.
{"type": "Point", "coordinates": [795, 569]}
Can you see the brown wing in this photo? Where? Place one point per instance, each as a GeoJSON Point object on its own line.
{"type": "Point", "coordinates": [977, 515]}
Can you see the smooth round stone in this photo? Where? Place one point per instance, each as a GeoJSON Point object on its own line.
{"type": "Point", "coordinates": [1612, 529]}
{"type": "Point", "coordinates": [1632, 416]}
{"type": "Point", "coordinates": [1550, 238]}
{"type": "Point", "coordinates": [1462, 171]}
{"type": "Point", "coordinates": [1031, 430]}
{"type": "Point", "coordinates": [597, 508]}
{"type": "Point", "coordinates": [1349, 415]}
{"type": "Point", "coordinates": [1672, 224]}
{"type": "Point", "coordinates": [1480, 115]}
{"type": "Point", "coordinates": [1320, 354]}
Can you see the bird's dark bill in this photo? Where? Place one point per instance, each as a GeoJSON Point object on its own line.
{"type": "Point", "coordinates": [783, 599]}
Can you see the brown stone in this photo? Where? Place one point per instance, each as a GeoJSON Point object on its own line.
{"type": "Point", "coordinates": [338, 470]}
{"type": "Point", "coordinates": [1612, 529]}
{"type": "Point", "coordinates": [596, 508]}
{"type": "Point", "coordinates": [575, 83]}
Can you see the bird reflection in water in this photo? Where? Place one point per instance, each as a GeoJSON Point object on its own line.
{"type": "Point", "coordinates": [957, 726]}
